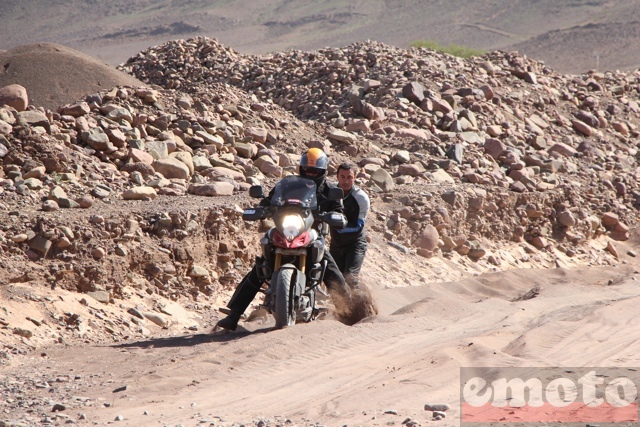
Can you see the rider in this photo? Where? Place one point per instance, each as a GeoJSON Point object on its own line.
{"type": "Point", "coordinates": [313, 166]}
{"type": "Point", "coordinates": [349, 244]}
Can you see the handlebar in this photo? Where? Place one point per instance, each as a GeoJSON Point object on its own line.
{"type": "Point", "coordinates": [333, 219]}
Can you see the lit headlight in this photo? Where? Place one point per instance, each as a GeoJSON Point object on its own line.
{"type": "Point", "coordinates": [292, 225]}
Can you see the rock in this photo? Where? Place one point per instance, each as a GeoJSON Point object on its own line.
{"type": "Point", "coordinates": [612, 250]}
{"type": "Point", "coordinates": [450, 197]}
{"type": "Point", "coordinates": [200, 163]}
{"type": "Point", "coordinates": [609, 219]}
{"type": "Point", "coordinates": [342, 136]}
{"type": "Point", "coordinates": [85, 202]}
{"type": "Point", "coordinates": [19, 238]}
{"type": "Point", "coordinates": [139, 193]}
{"type": "Point", "coordinates": [518, 187]}
{"type": "Point", "coordinates": [476, 253]}
{"type": "Point", "coordinates": [98, 253]}
{"type": "Point", "coordinates": [197, 271]}
{"type": "Point", "coordinates": [410, 170]}
{"type": "Point", "coordinates": [362, 126]}
{"type": "Point", "coordinates": [5, 129]}
{"type": "Point", "coordinates": [563, 149]}
{"type": "Point", "coordinates": [247, 151]}
{"type": "Point", "coordinates": [97, 139]}
{"type": "Point", "coordinates": [455, 153]}
{"type": "Point", "coordinates": [402, 156]}
{"type": "Point", "coordinates": [257, 134]}
{"type": "Point", "coordinates": [442, 177]}
{"type": "Point", "coordinates": [414, 92]}
{"type": "Point", "coordinates": [185, 158]}
{"type": "Point", "coordinates": [383, 180]}
{"type": "Point", "coordinates": [145, 169]}
{"type": "Point", "coordinates": [23, 332]}
{"type": "Point", "coordinates": [15, 96]}
{"type": "Point", "coordinates": [621, 127]}
{"type": "Point", "coordinates": [63, 242]}
{"type": "Point", "coordinates": [75, 110]}
{"type": "Point", "coordinates": [140, 156]}
{"type": "Point", "coordinates": [58, 407]}
{"type": "Point", "coordinates": [438, 415]}
{"type": "Point", "coordinates": [50, 205]}
{"type": "Point", "coordinates": [212, 189]}
{"type": "Point", "coordinates": [171, 168]}
{"type": "Point", "coordinates": [37, 172]}
{"type": "Point", "coordinates": [412, 133]}
{"type": "Point", "coordinates": [33, 119]}
{"type": "Point", "coordinates": [438, 407]}
{"type": "Point", "coordinates": [57, 193]}
{"type": "Point", "coordinates": [494, 147]}
{"type": "Point", "coordinates": [539, 242]}
{"type": "Point", "coordinates": [582, 127]}
{"type": "Point", "coordinates": [566, 218]}
{"type": "Point", "coordinates": [156, 318]}
{"type": "Point", "coordinates": [40, 245]}
{"type": "Point", "coordinates": [428, 238]}
{"type": "Point", "coordinates": [100, 296]}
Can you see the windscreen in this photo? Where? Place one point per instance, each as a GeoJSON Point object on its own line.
{"type": "Point", "coordinates": [293, 190]}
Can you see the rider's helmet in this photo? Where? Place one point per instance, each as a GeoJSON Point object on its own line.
{"type": "Point", "coordinates": [313, 165]}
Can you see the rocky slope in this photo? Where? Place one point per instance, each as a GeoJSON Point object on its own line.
{"type": "Point", "coordinates": [133, 195]}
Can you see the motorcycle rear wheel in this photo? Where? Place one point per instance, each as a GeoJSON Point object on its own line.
{"type": "Point", "coordinates": [285, 312]}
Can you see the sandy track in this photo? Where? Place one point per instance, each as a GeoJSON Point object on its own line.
{"type": "Point", "coordinates": [326, 372]}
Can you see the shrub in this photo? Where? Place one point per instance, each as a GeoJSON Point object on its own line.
{"type": "Point", "coordinates": [451, 49]}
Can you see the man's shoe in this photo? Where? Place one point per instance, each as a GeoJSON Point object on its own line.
{"type": "Point", "coordinates": [230, 322]}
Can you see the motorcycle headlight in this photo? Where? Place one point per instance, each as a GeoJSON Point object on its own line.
{"type": "Point", "coordinates": [292, 226]}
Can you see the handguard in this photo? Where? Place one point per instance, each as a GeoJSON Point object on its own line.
{"type": "Point", "coordinates": [334, 219]}
{"type": "Point", "coordinates": [254, 214]}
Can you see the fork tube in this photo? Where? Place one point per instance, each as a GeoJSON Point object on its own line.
{"type": "Point", "coordinates": [277, 263]}
{"type": "Point", "coordinates": [303, 262]}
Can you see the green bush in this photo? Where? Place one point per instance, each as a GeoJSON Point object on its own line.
{"type": "Point", "coordinates": [451, 49]}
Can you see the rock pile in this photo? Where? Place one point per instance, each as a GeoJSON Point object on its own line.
{"type": "Point", "coordinates": [502, 122]}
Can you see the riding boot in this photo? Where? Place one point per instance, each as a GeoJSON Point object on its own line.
{"type": "Point", "coordinates": [242, 297]}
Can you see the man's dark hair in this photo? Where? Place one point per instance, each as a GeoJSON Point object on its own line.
{"type": "Point", "coordinates": [347, 167]}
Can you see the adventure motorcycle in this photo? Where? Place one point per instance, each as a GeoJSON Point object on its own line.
{"type": "Point", "coordinates": [292, 261]}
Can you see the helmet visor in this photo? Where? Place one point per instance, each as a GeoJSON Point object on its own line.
{"type": "Point", "coordinates": [311, 171]}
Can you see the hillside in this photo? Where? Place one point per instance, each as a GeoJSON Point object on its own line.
{"type": "Point", "coordinates": [570, 36]}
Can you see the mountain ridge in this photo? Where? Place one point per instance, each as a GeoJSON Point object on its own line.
{"type": "Point", "coordinates": [114, 31]}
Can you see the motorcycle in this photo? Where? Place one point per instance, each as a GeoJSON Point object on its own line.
{"type": "Point", "coordinates": [292, 261]}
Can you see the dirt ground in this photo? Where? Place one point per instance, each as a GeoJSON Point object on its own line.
{"type": "Point", "coordinates": [381, 371]}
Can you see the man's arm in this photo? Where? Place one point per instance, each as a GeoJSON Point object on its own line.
{"type": "Point", "coordinates": [363, 205]}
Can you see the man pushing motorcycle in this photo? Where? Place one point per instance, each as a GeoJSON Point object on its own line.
{"type": "Point", "coordinates": [313, 166]}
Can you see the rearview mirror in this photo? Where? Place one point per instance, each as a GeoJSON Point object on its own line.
{"type": "Point", "coordinates": [256, 192]}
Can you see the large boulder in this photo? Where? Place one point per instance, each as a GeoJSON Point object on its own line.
{"type": "Point", "coordinates": [171, 168]}
{"type": "Point", "coordinates": [428, 238]}
{"type": "Point", "coordinates": [14, 96]}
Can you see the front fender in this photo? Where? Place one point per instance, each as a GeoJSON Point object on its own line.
{"type": "Point", "coordinates": [300, 279]}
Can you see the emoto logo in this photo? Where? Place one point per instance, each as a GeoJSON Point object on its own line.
{"type": "Point", "coordinates": [543, 395]}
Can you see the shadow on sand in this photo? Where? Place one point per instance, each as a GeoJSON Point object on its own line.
{"type": "Point", "coordinates": [216, 336]}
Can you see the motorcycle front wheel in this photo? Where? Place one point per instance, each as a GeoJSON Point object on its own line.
{"type": "Point", "coordinates": [285, 312]}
